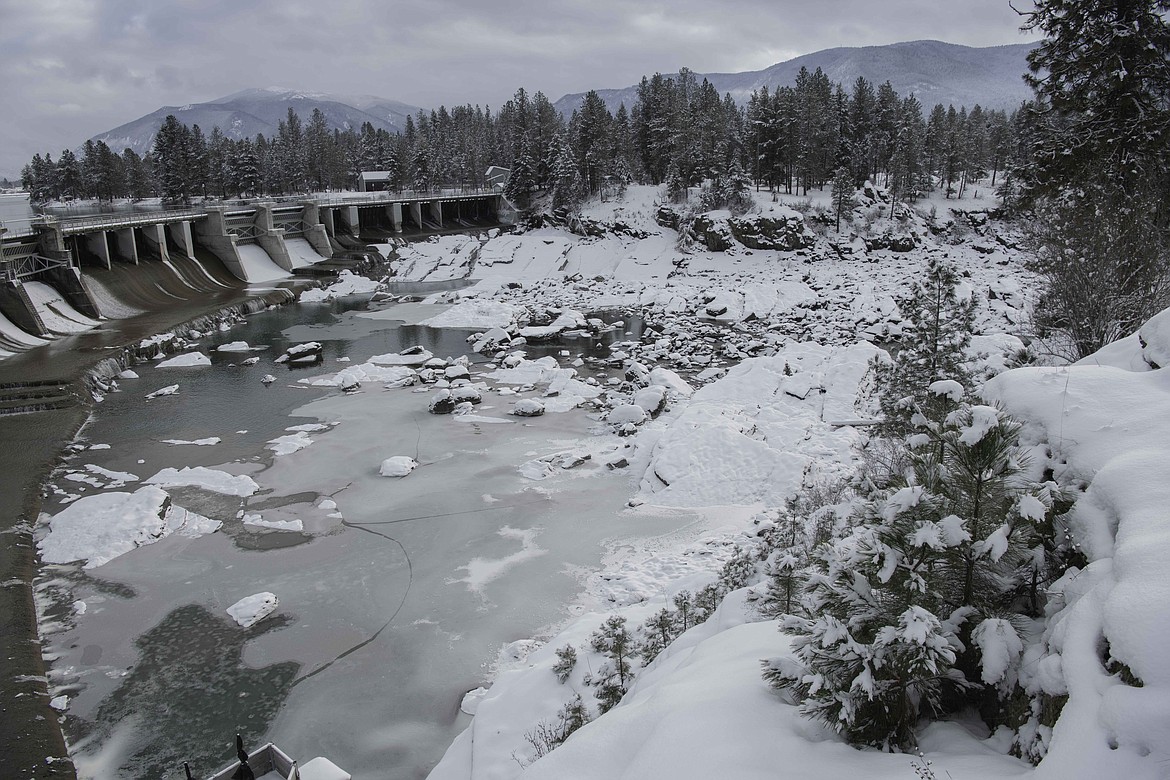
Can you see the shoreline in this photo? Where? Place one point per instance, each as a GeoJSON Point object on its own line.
{"type": "Point", "coordinates": [35, 747]}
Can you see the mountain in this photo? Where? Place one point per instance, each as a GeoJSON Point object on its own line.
{"type": "Point", "coordinates": [934, 71]}
{"type": "Point", "coordinates": [244, 114]}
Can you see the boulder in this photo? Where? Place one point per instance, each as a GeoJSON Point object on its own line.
{"type": "Point", "coordinates": [779, 230]}
{"type": "Point", "coordinates": [398, 466]}
{"type": "Point", "coordinates": [528, 407]}
{"type": "Point", "coordinates": [441, 403]}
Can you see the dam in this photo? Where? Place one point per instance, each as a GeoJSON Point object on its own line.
{"type": "Point", "coordinates": [61, 274]}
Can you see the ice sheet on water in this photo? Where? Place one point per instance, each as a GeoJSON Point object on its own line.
{"type": "Point", "coordinates": [206, 478]}
{"type": "Point", "coordinates": [96, 529]}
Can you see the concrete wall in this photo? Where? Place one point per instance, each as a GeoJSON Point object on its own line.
{"type": "Point", "coordinates": [99, 244]}
{"type": "Point", "coordinates": [180, 237]}
{"type": "Point", "coordinates": [156, 238]}
{"type": "Point", "coordinates": [212, 234]}
{"type": "Point", "coordinates": [436, 211]}
{"type": "Point", "coordinates": [126, 248]}
{"type": "Point", "coordinates": [271, 238]}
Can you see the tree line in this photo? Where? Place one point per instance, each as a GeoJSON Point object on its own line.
{"type": "Point", "coordinates": [679, 132]}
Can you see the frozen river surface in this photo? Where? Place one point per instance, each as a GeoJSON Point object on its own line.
{"type": "Point", "coordinates": [393, 603]}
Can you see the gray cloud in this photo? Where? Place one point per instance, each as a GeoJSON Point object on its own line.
{"type": "Point", "coordinates": [72, 68]}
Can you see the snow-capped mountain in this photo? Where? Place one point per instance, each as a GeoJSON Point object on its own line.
{"type": "Point", "coordinates": [251, 111]}
{"type": "Point", "coordinates": [934, 71]}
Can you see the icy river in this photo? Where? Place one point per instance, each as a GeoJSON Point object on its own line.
{"type": "Point", "coordinates": [395, 599]}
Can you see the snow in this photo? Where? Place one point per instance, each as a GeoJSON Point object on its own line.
{"type": "Point", "coordinates": [289, 443]}
{"type": "Point", "coordinates": [1106, 428]}
{"type": "Point", "coordinates": [235, 346]}
{"type": "Point", "coordinates": [207, 479]}
{"type": "Point", "coordinates": [55, 312]}
{"type": "Point", "coordinates": [301, 251]}
{"type": "Point", "coordinates": [397, 466]}
{"type": "Point", "coordinates": [482, 571]}
{"type": "Point", "coordinates": [187, 360]}
{"type": "Point", "coordinates": [10, 331]}
{"type": "Point", "coordinates": [753, 435]}
{"type": "Point", "coordinates": [1000, 647]}
{"type": "Point", "coordinates": [162, 392]}
{"type": "Point", "coordinates": [258, 520]}
{"type": "Point", "coordinates": [257, 265]}
{"type": "Point", "coordinates": [204, 442]}
{"type": "Point", "coordinates": [1155, 340]}
{"type": "Point", "coordinates": [348, 283]}
{"type": "Point", "coordinates": [250, 610]}
{"type": "Point", "coordinates": [363, 373]}
{"type": "Point", "coordinates": [477, 314]}
{"type": "Point", "coordinates": [98, 528]}
{"type": "Point", "coordinates": [438, 259]}
{"type": "Point", "coordinates": [701, 710]}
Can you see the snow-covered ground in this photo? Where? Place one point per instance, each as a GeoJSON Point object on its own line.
{"type": "Point", "coordinates": [739, 379]}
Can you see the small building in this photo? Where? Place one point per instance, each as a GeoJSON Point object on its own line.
{"type": "Point", "coordinates": [497, 177]}
{"type": "Point", "coordinates": [374, 181]}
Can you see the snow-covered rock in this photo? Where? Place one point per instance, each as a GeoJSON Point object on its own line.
{"type": "Point", "coordinates": [528, 407]}
{"type": "Point", "coordinates": [186, 360]}
{"type": "Point", "coordinates": [397, 466]}
{"type": "Point", "coordinates": [250, 610]}
{"type": "Point", "coordinates": [162, 392]}
{"type": "Point", "coordinates": [1155, 340]}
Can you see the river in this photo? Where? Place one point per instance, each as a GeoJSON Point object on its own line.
{"type": "Point", "coordinates": [388, 613]}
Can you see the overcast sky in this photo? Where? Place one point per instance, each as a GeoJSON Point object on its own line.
{"type": "Point", "coordinates": [70, 69]}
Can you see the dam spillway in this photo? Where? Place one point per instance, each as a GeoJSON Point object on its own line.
{"type": "Point", "coordinates": [64, 272]}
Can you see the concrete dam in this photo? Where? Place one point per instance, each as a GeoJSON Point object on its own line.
{"type": "Point", "coordinates": [63, 274]}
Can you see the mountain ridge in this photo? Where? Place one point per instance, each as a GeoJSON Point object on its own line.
{"type": "Point", "coordinates": [250, 111]}
{"type": "Point", "coordinates": [935, 71]}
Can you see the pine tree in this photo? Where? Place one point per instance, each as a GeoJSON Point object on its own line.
{"type": "Point", "coordinates": [906, 609]}
{"type": "Point", "coordinates": [1102, 76]}
{"type": "Point", "coordinates": [170, 156]}
{"type": "Point", "coordinates": [933, 348]}
{"type": "Point", "coordinates": [69, 175]}
{"type": "Point", "coordinates": [617, 644]}
{"type": "Point", "coordinates": [566, 660]}
{"type": "Point", "coordinates": [138, 175]}
{"type": "Point", "coordinates": [842, 194]}
{"type": "Point", "coordinates": [657, 632]}
{"type": "Point", "coordinates": [1101, 166]}
{"type": "Point", "coordinates": [565, 177]}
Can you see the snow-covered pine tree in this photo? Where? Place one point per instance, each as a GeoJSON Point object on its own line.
{"type": "Point", "coordinates": [913, 611]}
{"type": "Point", "coordinates": [612, 681]}
{"type": "Point", "coordinates": [933, 347]}
{"type": "Point", "coordinates": [657, 632]}
{"type": "Point", "coordinates": [565, 176]}
{"type": "Point", "coordinates": [676, 185]}
{"type": "Point", "coordinates": [842, 194]}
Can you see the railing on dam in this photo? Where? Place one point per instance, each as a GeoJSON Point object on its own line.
{"type": "Point", "coordinates": [71, 225]}
{"type": "Point", "coordinates": [375, 198]}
